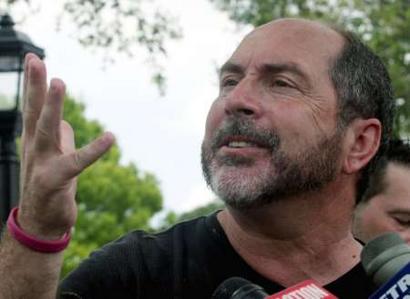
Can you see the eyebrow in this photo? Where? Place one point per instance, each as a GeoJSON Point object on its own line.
{"type": "Point", "coordinates": [230, 67]}
{"type": "Point", "coordinates": [267, 68]}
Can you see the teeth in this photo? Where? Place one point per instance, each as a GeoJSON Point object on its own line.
{"type": "Point", "coordinates": [240, 144]}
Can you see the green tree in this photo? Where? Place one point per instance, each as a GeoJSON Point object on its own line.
{"type": "Point", "coordinates": [115, 26]}
{"type": "Point", "coordinates": [112, 198]}
{"type": "Point", "coordinates": [383, 24]}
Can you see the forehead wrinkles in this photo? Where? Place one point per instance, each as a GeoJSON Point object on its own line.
{"type": "Point", "coordinates": [310, 45]}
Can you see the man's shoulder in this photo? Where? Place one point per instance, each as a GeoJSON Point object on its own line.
{"type": "Point", "coordinates": [182, 231]}
{"type": "Point", "coordinates": [140, 258]}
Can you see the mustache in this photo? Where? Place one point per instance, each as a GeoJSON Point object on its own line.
{"type": "Point", "coordinates": [247, 129]}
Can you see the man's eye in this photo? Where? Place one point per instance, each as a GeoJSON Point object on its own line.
{"type": "Point", "coordinates": [229, 82]}
{"type": "Point", "coordinates": [402, 221]}
{"type": "Point", "coordinates": [280, 83]}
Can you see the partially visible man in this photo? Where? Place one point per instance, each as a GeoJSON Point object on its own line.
{"type": "Point", "coordinates": [385, 205]}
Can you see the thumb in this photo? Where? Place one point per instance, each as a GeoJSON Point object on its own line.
{"type": "Point", "coordinates": [90, 153]}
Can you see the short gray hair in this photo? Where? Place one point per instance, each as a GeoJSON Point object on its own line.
{"type": "Point", "coordinates": [364, 90]}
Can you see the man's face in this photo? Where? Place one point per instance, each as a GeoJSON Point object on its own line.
{"type": "Point", "coordinates": [272, 133]}
{"type": "Point", "coordinates": [388, 211]}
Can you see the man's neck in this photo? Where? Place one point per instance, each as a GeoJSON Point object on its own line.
{"type": "Point", "coordinates": [295, 239]}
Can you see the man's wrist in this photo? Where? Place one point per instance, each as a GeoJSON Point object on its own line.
{"type": "Point", "coordinates": [33, 242]}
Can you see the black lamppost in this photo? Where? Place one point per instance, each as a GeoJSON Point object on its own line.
{"type": "Point", "coordinates": [14, 45]}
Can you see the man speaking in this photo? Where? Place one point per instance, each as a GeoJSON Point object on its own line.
{"type": "Point", "coordinates": [303, 112]}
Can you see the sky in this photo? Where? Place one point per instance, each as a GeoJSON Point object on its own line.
{"type": "Point", "coordinates": [161, 135]}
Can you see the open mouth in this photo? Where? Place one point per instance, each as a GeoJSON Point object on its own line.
{"type": "Point", "coordinates": [242, 142]}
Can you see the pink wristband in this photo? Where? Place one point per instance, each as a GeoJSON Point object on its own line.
{"type": "Point", "coordinates": [46, 246]}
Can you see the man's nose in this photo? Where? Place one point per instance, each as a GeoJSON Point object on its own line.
{"type": "Point", "coordinates": [244, 100]}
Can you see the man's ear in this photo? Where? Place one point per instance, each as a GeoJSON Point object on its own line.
{"type": "Point", "coordinates": [363, 140]}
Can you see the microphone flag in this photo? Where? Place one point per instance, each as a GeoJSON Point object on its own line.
{"type": "Point", "coordinates": [307, 289]}
{"type": "Point", "coordinates": [398, 287]}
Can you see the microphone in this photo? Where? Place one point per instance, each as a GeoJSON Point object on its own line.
{"type": "Point", "coordinates": [386, 260]}
{"type": "Point", "coordinates": [239, 288]}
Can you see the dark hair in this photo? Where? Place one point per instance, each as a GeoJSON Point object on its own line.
{"type": "Point", "coordinates": [364, 90]}
{"type": "Point", "coordinates": [399, 153]}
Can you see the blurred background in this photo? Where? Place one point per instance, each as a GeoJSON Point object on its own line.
{"type": "Point", "coordinates": [146, 70]}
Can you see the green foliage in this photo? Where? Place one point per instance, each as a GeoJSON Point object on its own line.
{"type": "Point", "coordinates": [386, 25]}
{"type": "Point", "coordinates": [172, 218]}
{"type": "Point", "coordinates": [258, 12]}
{"type": "Point", "coordinates": [120, 23]}
{"type": "Point", "coordinates": [113, 199]}
{"type": "Point", "coordinates": [115, 26]}
{"type": "Point", "coordinates": [383, 24]}
{"type": "Point", "coordinates": [120, 26]}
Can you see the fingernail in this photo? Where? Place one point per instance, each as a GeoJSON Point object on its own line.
{"type": "Point", "coordinates": [27, 59]}
{"type": "Point", "coordinates": [108, 138]}
{"type": "Point", "coordinates": [56, 85]}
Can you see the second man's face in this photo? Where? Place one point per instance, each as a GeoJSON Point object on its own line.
{"type": "Point", "coordinates": [388, 211]}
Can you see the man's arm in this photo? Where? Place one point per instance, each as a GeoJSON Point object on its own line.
{"type": "Point", "coordinates": [25, 273]}
{"type": "Point", "coordinates": [49, 167]}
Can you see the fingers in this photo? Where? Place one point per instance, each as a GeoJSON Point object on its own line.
{"type": "Point", "coordinates": [90, 153]}
{"type": "Point", "coordinates": [43, 126]}
{"type": "Point", "coordinates": [48, 124]}
{"type": "Point", "coordinates": [34, 94]}
{"type": "Point", "coordinates": [67, 137]}
{"type": "Point", "coordinates": [25, 81]}
{"type": "Point", "coordinates": [42, 110]}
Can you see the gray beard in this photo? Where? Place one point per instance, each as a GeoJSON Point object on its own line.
{"type": "Point", "coordinates": [310, 170]}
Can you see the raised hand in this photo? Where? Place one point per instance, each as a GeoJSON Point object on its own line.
{"type": "Point", "coordinates": [49, 162]}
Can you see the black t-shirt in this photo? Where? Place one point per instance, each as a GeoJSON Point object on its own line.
{"type": "Point", "coordinates": [188, 261]}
